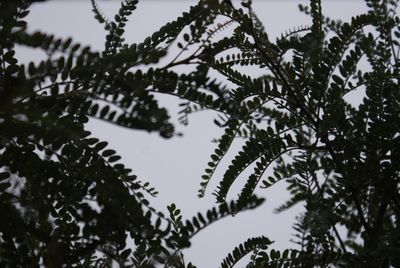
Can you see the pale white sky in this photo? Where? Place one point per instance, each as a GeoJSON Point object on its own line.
{"type": "Point", "coordinates": [174, 166]}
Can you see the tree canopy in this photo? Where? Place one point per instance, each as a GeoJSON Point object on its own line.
{"type": "Point", "coordinates": [67, 201]}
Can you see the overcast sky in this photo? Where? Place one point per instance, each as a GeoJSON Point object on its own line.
{"type": "Point", "coordinates": [174, 166]}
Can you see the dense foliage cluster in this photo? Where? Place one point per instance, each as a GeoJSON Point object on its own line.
{"type": "Point", "coordinates": [65, 200]}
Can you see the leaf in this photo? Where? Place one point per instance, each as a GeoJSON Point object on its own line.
{"type": "Point", "coordinates": [243, 249]}
{"type": "Point", "coordinates": [114, 158]}
{"type": "Point", "coordinates": [108, 152]}
{"type": "Point", "coordinates": [100, 146]}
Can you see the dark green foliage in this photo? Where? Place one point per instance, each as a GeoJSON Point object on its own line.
{"type": "Point", "coordinates": [65, 198]}
{"type": "Point", "coordinates": [338, 160]}
{"type": "Point", "coordinates": [239, 252]}
{"type": "Point", "coordinates": [68, 200]}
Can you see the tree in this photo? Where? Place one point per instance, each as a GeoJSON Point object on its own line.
{"type": "Point", "coordinates": [70, 202]}
{"type": "Point", "coordinates": [339, 160]}
{"type": "Point", "coordinates": [65, 197]}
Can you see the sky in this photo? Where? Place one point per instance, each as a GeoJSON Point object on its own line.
{"type": "Point", "coordinates": [174, 166]}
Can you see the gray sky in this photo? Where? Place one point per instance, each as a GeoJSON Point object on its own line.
{"type": "Point", "coordinates": [174, 166]}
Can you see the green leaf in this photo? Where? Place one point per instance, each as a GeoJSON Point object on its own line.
{"type": "Point", "coordinates": [114, 158]}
